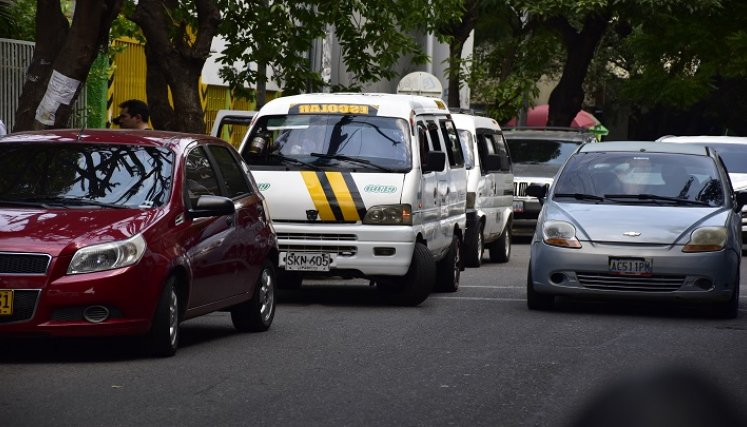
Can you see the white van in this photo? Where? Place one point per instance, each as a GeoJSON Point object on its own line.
{"type": "Point", "coordinates": [232, 125]}
{"type": "Point", "coordinates": [363, 185]}
{"type": "Point", "coordinates": [490, 189]}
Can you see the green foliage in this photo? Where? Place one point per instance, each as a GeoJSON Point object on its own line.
{"type": "Point", "coordinates": [17, 19]}
{"type": "Point", "coordinates": [373, 36]}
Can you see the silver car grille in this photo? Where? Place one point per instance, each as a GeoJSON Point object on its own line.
{"type": "Point", "coordinates": [333, 249]}
{"type": "Point", "coordinates": [520, 188]}
{"type": "Point", "coordinates": [612, 282]}
{"type": "Point", "coordinates": [317, 236]}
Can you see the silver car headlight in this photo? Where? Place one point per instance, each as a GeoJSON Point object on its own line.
{"type": "Point", "coordinates": [108, 256]}
{"type": "Point", "coordinates": [389, 215]}
{"type": "Point", "coordinates": [707, 239]}
{"type": "Point", "coordinates": [560, 233]}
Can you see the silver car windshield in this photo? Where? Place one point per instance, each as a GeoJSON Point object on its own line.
{"type": "Point", "coordinates": [641, 178]}
{"type": "Point", "coordinates": [364, 143]}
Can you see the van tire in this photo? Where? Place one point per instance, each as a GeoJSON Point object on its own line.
{"type": "Point", "coordinates": [450, 267]}
{"type": "Point", "coordinates": [500, 250]}
{"type": "Point", "coordinates": [473, 246]}
{"type": "Point", "coordinates": [414, 287]}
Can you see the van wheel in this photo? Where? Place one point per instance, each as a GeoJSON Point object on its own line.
{"type": "Point", "coordinates": [414, 287]}
{"type": "Point", "coordinates": [256, 314]}
{"type": "Point", "coordinates": [289, 280]}
{"type": "Point", "coordinates": [500, 250]}
{"type": "Point", "coordinates": [535, 300]}
{"type": "Point", "coordinates": [163, 337]}
{"type": "Point", "coordinates": [450, 268]}
{"type": "Point", "coordinates": [473, 246]}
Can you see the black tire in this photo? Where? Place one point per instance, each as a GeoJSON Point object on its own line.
{"type": "Point", "coordinates": [163, 338]}
{"type": "Point", "coordinates": [256, 314]}
{"type": "Point", "coordinates": [450, 268]}
{"type": "Point", "coordinates": [414, 287]}
{"type": "Point", "coordinates": [288, 280]}
{"type": "Point", "coordinates": [535, 300]}
{"type": "Point", "coordinates": [473, 246]}
{"type": "Point", "coordinates": [500, 250]}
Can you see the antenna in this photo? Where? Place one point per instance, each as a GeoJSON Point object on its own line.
{"type": "Point", "coordinates": [83, 129]}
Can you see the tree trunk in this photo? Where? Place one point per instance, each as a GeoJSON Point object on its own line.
{"type": "Point", "coordinates": [455, 64]}
{"type": "Point", "coordinates": [62, 59]}
{"type": "Point", "coordinates": [459, 33]}
{"type": "Point", "coordinates": [176, 54]}
{"type": "Point", "coordinates": [566, 99]}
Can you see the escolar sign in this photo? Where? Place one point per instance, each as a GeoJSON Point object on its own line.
{"type": "Point", "coordinates": [333, 109]}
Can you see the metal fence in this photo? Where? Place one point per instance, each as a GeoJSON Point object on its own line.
{"type": "Point", "coordinates": [15, 57]}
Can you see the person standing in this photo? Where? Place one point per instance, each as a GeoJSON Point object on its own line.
{"type": "Point", "coordinates": [133, 114]}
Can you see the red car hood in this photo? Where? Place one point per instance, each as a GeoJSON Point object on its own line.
{"type": "Point", "coordinates": [58, 231]}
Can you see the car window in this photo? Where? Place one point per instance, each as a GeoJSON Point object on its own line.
{"type": "Point", "coordinates": [433, 133]}
{"type": "Point", "coordinates": [423, 141]}
{"type": "Point", "coordinates": [200, 176]}
{"type": "Point", "coordinates": [539, 157]}
{"type": "Point", "coordinates": [453, 147]}
{"type": "Point", "coordinates": [680, 176]}
{"type": "Point", "coordinates": [234, 178]}
{"type": "Point", "coordinates": [125, 175]}
{"type": "Point", "coordinates": [465, 138]}
{"type": "Point", "coordinates": [502, 150]}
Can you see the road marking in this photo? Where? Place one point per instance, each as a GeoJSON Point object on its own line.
{"type": "Point", "coordinates": [482, 299]}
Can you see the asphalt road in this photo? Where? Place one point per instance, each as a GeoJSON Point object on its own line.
{"type": "Point", "coordinates": [334, 356]}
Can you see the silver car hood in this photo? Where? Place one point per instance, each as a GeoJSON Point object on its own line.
{"type": "Point", "coordinates": [656, 224]}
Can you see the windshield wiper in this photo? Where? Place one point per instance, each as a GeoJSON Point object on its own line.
{"type": "Point", "coordinates": [22, 203]}
{"type": "Point", "coordinates": [581, 196]}
{"type": "Point", "coordinates": [285, 158]}
{"type": "Point", "coordinates": [352, 160]}
{"type": "Point", "coordinates": [76, 201]}
{"type": "Point", "coordinates": [655, 197]}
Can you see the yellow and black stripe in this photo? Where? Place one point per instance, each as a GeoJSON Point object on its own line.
{"type": "Point", "coordinates": [335, 196]}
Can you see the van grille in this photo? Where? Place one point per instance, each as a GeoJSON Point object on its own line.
{"type": "Point", "coordinates": [612, 282]}
{"type": "Point", "coordinates": [317, 236]}
{"type": "Point", "coordinates": [17, 263]}
{"type": "Point", "coordinates": [334, 250]}
{"type": "Point", "coordinates": [520, 188]}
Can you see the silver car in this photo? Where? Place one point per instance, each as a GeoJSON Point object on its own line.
{"type": "Point", "coordinates": [642, 220]}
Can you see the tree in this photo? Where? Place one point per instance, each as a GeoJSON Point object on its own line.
{"type": "Point", "coordinates": [62, 58]}
{"type": "Point", "coordinates": [178, 38]}
{"type": "Point", "coordinates": [373, 36]}
{"type": "Point", "coordinates": [456, 32]}
{"type": "Point", "coordinates": [17, 19]}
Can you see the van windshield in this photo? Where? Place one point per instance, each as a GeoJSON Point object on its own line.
{"type": "Point", "coordinates": [361, 143]}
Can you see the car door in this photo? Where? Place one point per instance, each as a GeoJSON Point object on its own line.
{"type": "Point", "coordinates": [431, 199]}
{"type": "Point", "coordinates": [207, 240]}
{"type": "Point", "coordinates": [456, 197]}
{"type": "Point", "coordinates": [442, 239]}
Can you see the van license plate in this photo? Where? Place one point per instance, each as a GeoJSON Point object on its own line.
{"type": "Point", "coordinates": [307, 261]}
{"type": "Point", "coordinates": [519, 206]}
{"type": "Point", "coordinates": [631, 266]}
{"type": "Point", "coordinates": [6, 302]}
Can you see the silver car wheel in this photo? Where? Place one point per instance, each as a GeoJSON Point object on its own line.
{"type": "Point", "coordinates": [266, 295]}
{"type": "Point", "coordinates": [173, 318]}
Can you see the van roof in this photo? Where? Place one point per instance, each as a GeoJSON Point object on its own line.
{"type": "Point", "coordinates": [471, 122]}
{"type": "Point", "coordinates": [378, 104]}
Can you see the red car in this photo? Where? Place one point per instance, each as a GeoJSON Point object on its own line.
{"type": "Point", "coordinates": [108, 232]}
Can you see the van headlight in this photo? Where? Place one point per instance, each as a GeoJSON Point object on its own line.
{"type": "Point", "coordinates": [108, 256]}
{"type": "Point", "coordinates": [389, 215]}
{"type": "Point", "coordinates": [706, 239]}
{"type": "Point", "coordinates": [560, 233]}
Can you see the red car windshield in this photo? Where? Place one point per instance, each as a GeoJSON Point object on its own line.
{"type": "Point", "coordinates": [85, 174]}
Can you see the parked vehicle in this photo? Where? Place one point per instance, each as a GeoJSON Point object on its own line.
{"type": "Point", "coordinates": [733, 150]}
{"type": "Point", "coordinates": [363, 185]}
{"type": "Point", "coordinates": [232, 125]}
{"type": "Point", "coordinates": [646, 220]}
{"type": "Point", "coordinates": [537, 155]}
{"type": "Point", "coordinates": [111, 232]}
{"type": "Point", "coordinates": [489, 189]}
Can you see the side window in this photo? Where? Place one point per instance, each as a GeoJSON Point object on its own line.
{"type": "Point", "coordinates": [200, 176]}
{"type": "Point", "coordinates": [233, 177]}
{"type": "Point", "coordinates": [423, 142]}
{"type": "Point", "coordinates": [484, 148]}
{"type": "Point", "coordinates": [453, 148]}
{"type": "Point", "coordinates": [433, 133]}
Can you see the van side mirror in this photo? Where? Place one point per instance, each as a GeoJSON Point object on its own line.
{"type": "Point", "coordinates": [537, 190]}
{"type": "Point", "coordinates": [492, 163]}
{"type": "Point", "coordinates": [435, 161]}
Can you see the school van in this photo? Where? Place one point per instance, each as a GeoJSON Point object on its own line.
{"type": "Point", "coordinates": [363, 185]}
{"type": "Point", "coordinates": [490, 188]}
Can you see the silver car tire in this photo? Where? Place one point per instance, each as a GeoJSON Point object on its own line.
{"type": "Point", "coordinates": [163, 338]}
{"type": "Point", "coordinates": [256, 315]}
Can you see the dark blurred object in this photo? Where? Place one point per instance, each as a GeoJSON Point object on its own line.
{"type": "Point", "coordinates": [675, 397]}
